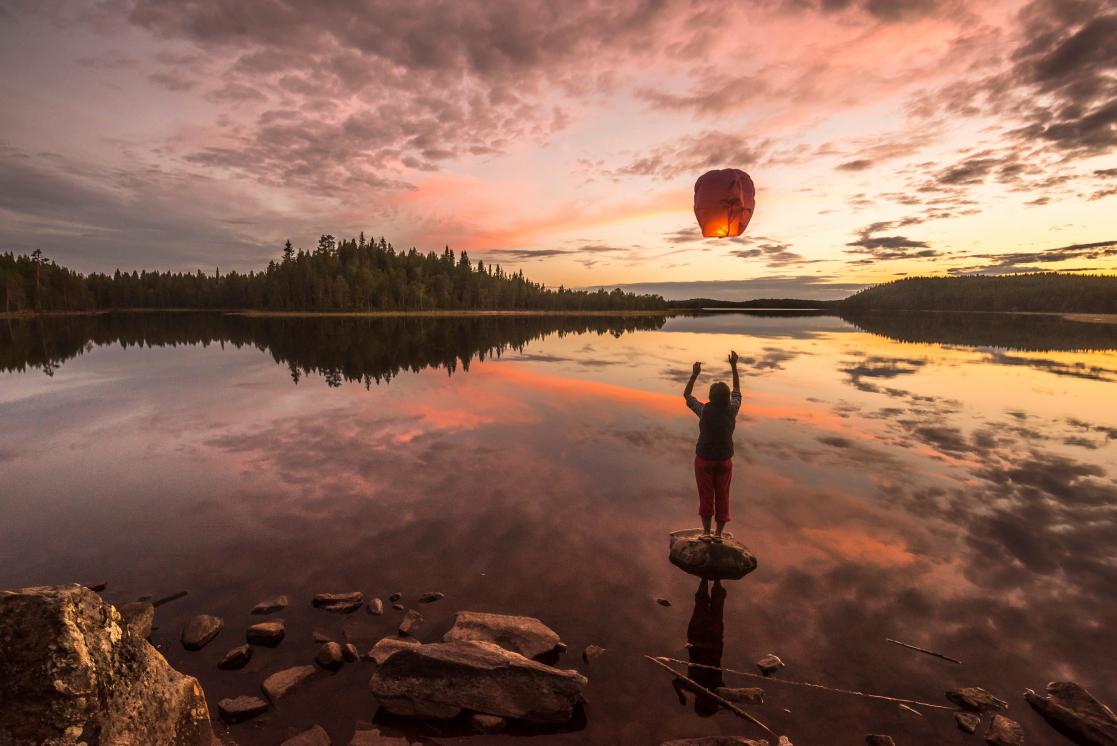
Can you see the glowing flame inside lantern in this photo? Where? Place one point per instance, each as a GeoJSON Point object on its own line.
{"type": "Point", "coordinates": [724, 201]}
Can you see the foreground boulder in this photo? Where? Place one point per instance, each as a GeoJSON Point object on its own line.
{"type": "Point", "coordinates": [439, 680]}
{"type": "Point", "coordinates": [1073, 711]}
{"type": "Point", "coordinates": [521, 634]}
{"type": "Point", "coordinates": [71, 672]}
{"type": "Point", "coordinates": [728, 560]}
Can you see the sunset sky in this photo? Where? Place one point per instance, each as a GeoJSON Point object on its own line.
{"type": "Point", "coordinates": [885, 137]}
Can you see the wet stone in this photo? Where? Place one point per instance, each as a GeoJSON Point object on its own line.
{"type": "Point", "coordinates": [1004, 732]}
{"type": "Point", "coordinates": [339, 603]}
{"type": "Point", "coordinates": [395, 597]}
{"type": "Point", "coordinates": [385, 647]}
{"type": "Point", "coordinates": [967, 722]}
{"type": "Point", "coordinates": [398, 607]}
{"type": "Point", "coordinates": [769, 664]}
{"type": "Point", "coordinates": [369, 735]}
{"type": "Point", "coordinates": [236, 658]}
{"type": "Point", "coordinates": [521, 634]}
{"type": "Point", "coordinates": [431, 596]}
{"type": "Point", "coordinates": [330, 656]}
{"type": "Point", "coordinates": [350, 652]}
{"type": "Point", "coordinates": [271, 605]}
{"type": "Point", "coordinates": [280, 684]}
{"type": "Point", "coordinates": [729, 560]}
{"type": "Point", "coordinates": [321, 635]}
{"type": "Point", "coordinates": [269, 634]}
{"type": "Point", "coordinates": [200, 630]}
{"type": "Point", "coordinates": [663, 602]}
{"type": "Point", "coordinates": [975, 699]}
{"type": "Point", "coordinates": [315, 736]}
{"type": "Point", "coordinates": [239, 709]}
{"type": "Point", "coordinates": [411, 623]}
{"type": "Point", "coordinates": [375, 606]}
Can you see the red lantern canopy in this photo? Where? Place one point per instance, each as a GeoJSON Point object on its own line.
{"type": "Point", "coordinates": [723, 202]}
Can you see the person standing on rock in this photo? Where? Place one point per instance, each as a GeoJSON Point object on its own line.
{"type": "Point", "coordinates": [713, 459]}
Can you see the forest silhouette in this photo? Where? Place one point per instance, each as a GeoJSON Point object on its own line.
{"type": "Point", "coordinates": [354, 275]}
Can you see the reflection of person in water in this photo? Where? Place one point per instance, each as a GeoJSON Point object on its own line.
{"type": "Point", "coordinates": [713, 460]}
{"type": "Point", "coordinates": [705, 637]}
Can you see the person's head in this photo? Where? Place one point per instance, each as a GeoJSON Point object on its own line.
{"type": "Point", "coordinates": [719, 394]}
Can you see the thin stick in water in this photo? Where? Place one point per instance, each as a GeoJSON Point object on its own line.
{"type": "Point", "coordinates": [720, 700]}
{"type": "Point", "coordinates": [923, 650]}
{"type": "Point", "coordinates": [808, 684]}
{"type": "Point", "coordinates": [168, 599]}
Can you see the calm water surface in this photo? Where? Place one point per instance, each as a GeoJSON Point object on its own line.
{"type": "Point", "coordinates": [947, 481]}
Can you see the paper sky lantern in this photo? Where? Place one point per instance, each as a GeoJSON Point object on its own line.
{"type": "Point", "coordinates": [723, 202]}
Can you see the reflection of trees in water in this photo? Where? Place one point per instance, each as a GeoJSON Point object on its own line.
{"type": "Point", "coordinates": [1031, 332]}
{"type": "Point", "coordinates": [368, 350]}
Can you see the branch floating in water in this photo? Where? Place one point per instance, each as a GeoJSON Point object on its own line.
{"type": "Point", "coordinates": [823, 687]}
{"type": "Point", "coordinates": [923, 650]}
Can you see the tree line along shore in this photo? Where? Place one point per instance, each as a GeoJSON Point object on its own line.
{"type": "Point", "coordinates": [359, 276]}
{"type": "Point", "coordinates": [337, 276]}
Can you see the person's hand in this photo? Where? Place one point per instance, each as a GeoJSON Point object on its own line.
{"type": "Point", "coordinates": [696, 369]}
{"type": "Point", "coordinates": [733, 358]}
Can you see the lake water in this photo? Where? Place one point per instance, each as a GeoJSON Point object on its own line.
{"type": "Point", "coordinates": [942, 480]}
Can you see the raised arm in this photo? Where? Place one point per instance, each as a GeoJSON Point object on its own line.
{"type": "Point", "coordinates": [733, 365]}
{"type": "Point", "coordinates": [693, 377]}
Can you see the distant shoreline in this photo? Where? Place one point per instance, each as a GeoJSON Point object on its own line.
{"type": "Point", "coordinates": [337, 314]}
{"type": "Point", "coordinates": [1084, 318]}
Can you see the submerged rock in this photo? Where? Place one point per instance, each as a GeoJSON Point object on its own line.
{"type": "Point", "coordinates": [481, 723]}
{"type": "Point", "coordinates": [271, 605]}
{"type": "Point", "coordinates": [280, 684]}
{"type": "Point", "coordinates": [398, 607]}
{"type": "Point", "coordinates": [395, 597]}
{"type": "Point", "coordinates": [521, 634]}
{"type": "Point", "coordinates": [69, 672]}
{"type": "Point", "coordinates": [268, 634]}
{"type": "Point", "coordinates": [200, 630]}
{"type": "Point", "coordinates": [339, 603]}
{"type": "Point", "coordinates": [663, 602]}
{"type": "Point", "coordinates": [1004, 732]}
{"type": "Point", "coordinates": [728, 560]}
{"type": "Point", "coordinates": [385, 647]}
{"type": "Point", "coordinates": [431, 596]}
{"type": "Point", "coordinates": [1073, 711]}
{"type": "Point", "coordinates": [239, 709]}
{"type": "Point", "coordinates": [138, 616]}
{"type": "Point", "coordinates": [750, 695]}
{"type": "Point", "coordinates": [411, 623]}
{"type": "Point", "coordinates": [967, 722]}
{"type": "Point", "coordinates": [330, 656]}
{"type": "Point", "coordinates": [236, 658]}
{"type": "Point", "coordinates": [375, 606]}
{"type": "Point", "coordinates": [349, 650]}
{"type": "Point", "coordinates": [441, 679]}
{"type": "Point", "coordinates": [976, 699]}
{"type": "Point", "coordinates": [321, 635]}
{"type": "Point", "coordinates": [769, 664]}
{"type": "Point", "coordinates": [592, 651]}
{"type": "Point", "coordinates": [316, 736]}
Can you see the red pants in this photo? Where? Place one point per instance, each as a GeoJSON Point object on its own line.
{"type": "Point", "coordinates": [713, 479]}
